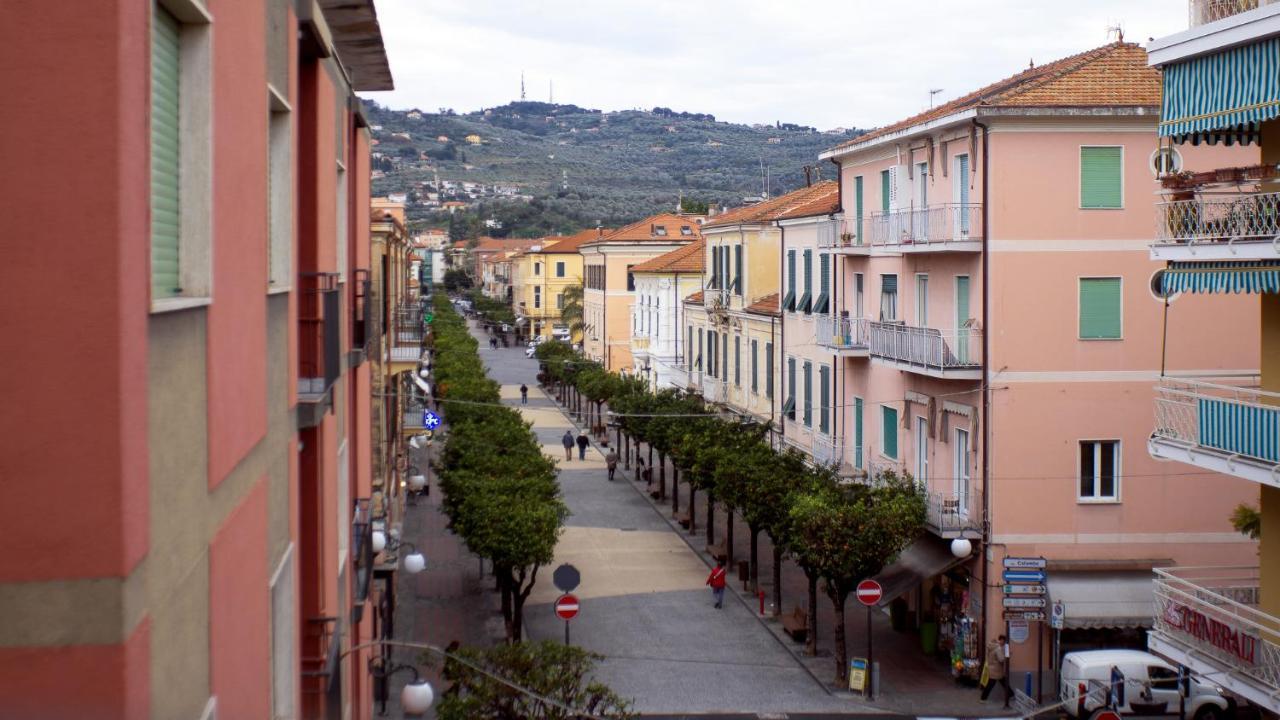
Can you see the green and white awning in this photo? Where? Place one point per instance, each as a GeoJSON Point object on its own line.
{"type": "Point", "coordinates": [1222, 97]}
{"type": "Point", "coordinates": [1222, 277]}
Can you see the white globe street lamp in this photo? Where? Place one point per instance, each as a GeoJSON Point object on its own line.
{"type": "Point", "coordinates": [417, 697]}
{"type": "Point", "coordinates": [414, 563]}
{"type": "Point", "coordinates": [379, 541]}
{"type": "Point", "coordinates": [961, 547]}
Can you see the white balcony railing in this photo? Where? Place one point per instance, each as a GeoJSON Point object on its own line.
{"type": "Point", "coordinates": [1240, 423]}
{"type": "Point", "coordinates": [714, 390]}
{"type": "Point", "coordinates": [843, 332]}
{"type": "Point", "coordinates": [1211, 613]}
{"type": "Point", "coordinates": [936, 225]}
{"type": "Point", "coordinates": [1207, 11]}
{"type": "Point", "coordinates": [827, 450]}
{"type": "Point", "coordinates": [844, 233]}
{"type": "Point", "coordinates": [1220, 218]}
{"type": "Point", "coordinates": [951, 514]}
{"type": "Point", "coordinates": [927, 348]}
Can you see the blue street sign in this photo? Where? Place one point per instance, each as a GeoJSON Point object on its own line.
{"type": "Point", "coordinates": [1024, 576]}
{"type": "Point", "coordinates": [430, 420]}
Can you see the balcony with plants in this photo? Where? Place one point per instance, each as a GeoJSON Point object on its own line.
{"type": "Point", "coordinates": [846, 336]}
{"type": "Point", "coordinates": [1224, 214]}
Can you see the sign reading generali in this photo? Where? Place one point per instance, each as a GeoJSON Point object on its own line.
{"type": "Point", "coordinates": [1214, 632]}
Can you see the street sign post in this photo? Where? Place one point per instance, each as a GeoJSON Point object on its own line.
{"type": "Point", "coordinates": [1017, 614]}
{"type": "Point", "coordinates": [1024, 590]}
{"type": "Point", "coordinates": [869, 593]}
{"type": "Point", "coordinates": [566, 578]}
{"type": "Point", "coordinates": [1024, 602]}
{"type": "Point", "coordinates": [566, 609]}
{"type": "Point", "coordinates": [1025, 563]}
{"type": "Point", "coordinates": [1058, 616]}
{"type": "Point", "coordinates": [1033, 577]}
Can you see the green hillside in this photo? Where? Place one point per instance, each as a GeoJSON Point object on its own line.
{"type": "Point", "coordinates": [581, 166]}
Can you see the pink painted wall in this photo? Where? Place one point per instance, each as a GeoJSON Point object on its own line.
{"type": "Point", "coordinates": [77, 325]}
{"type": "Point", "coordinates": [240, 611]}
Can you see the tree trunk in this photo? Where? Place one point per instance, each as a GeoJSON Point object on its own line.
{"type": "Point", "coordinates": [675, 490]}
{"type": "Point", "coordinates": [777, 577]}
{"type": "Point", "coordinates": [755, 559]}
{"type": "Point", "coordinates": [728, 535]}
{"type": "Point", "coordinates": [711, 518]}
{"type": "Point", "coordinates": [693, 509]}
{"type": "Point", "coordinates": [508, 615]}
{"type": "Point", "coordinates": [811, 637]}
{"type": "Point", "coordinates": [650, 454]}
{"type": "Point", "coordinates": [520, 594]}
{"type": "Point", "coordinates": [837, 602]}
{"type": "Point", "coordinates": [662, 474]}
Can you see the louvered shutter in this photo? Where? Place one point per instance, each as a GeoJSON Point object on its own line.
{"type": "Point", "coordinates": [886, 191]}
{"type": "Point", "coordinates": [824, 395]}
{"type": "Point", "coordinates": [1100, 308]}
{"type": "Point", "coordinates": [857, 202]}
{"type": "Point", "coordinates": [165, 209]}
{"type": "Point", "coordinates": [1100, 177]}
{"type": "Point", "coordinates": [857, 433]}
{"type": "Point", "coordinates": [889, 433]}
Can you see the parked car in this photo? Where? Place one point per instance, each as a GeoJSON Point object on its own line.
{"type": "Point", "coordinates": [560, 333]}
{"type": "Point", "coordinates": [1149, 681]}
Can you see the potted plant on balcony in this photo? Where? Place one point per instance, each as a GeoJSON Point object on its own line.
{"type": "Point", "coordinates": [846, 238]}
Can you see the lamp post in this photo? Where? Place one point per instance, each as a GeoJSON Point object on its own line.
{"type": "Point", "coordinates": [414, 562]}
{"type": "Point", "coordinates": [416, 697]}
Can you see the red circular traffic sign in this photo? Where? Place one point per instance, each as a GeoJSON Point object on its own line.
{"type": "Point", "coordinates": [566, 606]}
{"type": "Point", "coordinates": [869, 592]}
{"type": "Point", "coordinates": [1105, 714]}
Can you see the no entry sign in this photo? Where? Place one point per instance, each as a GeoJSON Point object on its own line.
{"type": "Point", "coordinates": [869, 592]}
{"type": "Point", "coordinates": [566, 607]}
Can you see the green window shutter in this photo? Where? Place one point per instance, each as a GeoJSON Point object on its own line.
{"type": "Point", "coordinates": [768, 370]}
{"type": "Point", "coordinates": [824, 284]}
{"type": "Point", "coordinates": [857, 204]}
{"type": "Point", "coordinates": [791, 383]}
{"type": "Point", "coordinates": [737, 271]}
{"type": "Point", "coordinates": [824, 394]}
{"type": "Point", "coordinates": [889, 433]}
{"type": "Point", "coordinates": [737, 360]}
{"type": "Point", "coordinates": [805, 304]}
{"type": "Point", "coordinates": [1100, 177]}
{"type": "Point", "coordinates": [165, 210]}
{"type": "Point", "coordinates": [789, 300]}
{"type": "Point", "coordinates": [857, 433]}
{"type": "Point", "coordinates": [1100, 308]}
{"type": "Point", "coordinates": [808, 394]}
{"type": "Point", "coordinates": [886, 183]}
{"type": "Point", "coordinates": [755, 366]}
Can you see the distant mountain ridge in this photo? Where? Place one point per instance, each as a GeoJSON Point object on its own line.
{"type": "Point", "coordinates": [560, 168]}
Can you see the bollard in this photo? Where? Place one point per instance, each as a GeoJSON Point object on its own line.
{"type": "Point", "coordinates": [761, 594]}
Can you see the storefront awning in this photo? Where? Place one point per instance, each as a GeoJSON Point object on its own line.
{"type": "Point", "coordinates": [925, 558]}
{"type": "Point", "coordinates": [1222, 277]}
{"type": "Point", "coordinates": [1104, 599]}
{"type": "Point", "coordinates": [1223, 96]}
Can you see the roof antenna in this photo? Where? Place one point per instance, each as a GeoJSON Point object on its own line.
{"type": "Point", "coordinates": [522, 85]}
{"type": "Point", "coordinates": [933, 92]}
{"type": "Point", "coordinates": [808, 176]}
{"type": "Point", "coordinates": [1117, 31]}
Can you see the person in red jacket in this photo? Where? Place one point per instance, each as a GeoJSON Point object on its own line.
{"type": "Point", "coordinates": [716, 581]}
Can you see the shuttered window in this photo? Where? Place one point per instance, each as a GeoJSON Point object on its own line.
{"type": "Point", "coordinates": [823, 303]}
{"type": "Point", "coordinates": [805, 304]}
{"type": "Point", "coordinates": [824, 399]}
{"type": "Point", "coordinates": [755, 367]}
{"type": "Point", "coordinates": [1101, 184]}
{"type": "Point", "coordinates": [165, 210]}
{"type": "Point", "coordinates": [737, 270]}
{"type": "Point", "coordinates": [789, 301]}
{"type": "Point", "coordinates": [889, 432]}
{"type": "Point", "coordinates": [857, 433]}
{"type": "Point", "coordinates": [768, 370]}
{"type": "Point", "coordinates": [737, 360]}
{"type": "Point", "coordinates": [857, 205]}
{"type": "Point", "coordinates": [886, 190]}
{"type": "Point", "coordinates": [1100, 308]}
{"type": "Point", "coordinates": [808, 394]}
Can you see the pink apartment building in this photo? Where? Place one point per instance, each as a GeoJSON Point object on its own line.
{"type": "Point", "coordinates": [991, 330]}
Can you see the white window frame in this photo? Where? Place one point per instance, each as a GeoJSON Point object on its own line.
{"type": "Point", "coordinates": [1169, 151]}
{"type": "Point", "coordinates": [962, 474]}
{"type": "Point", "coordinates": [537, 297]}
{"type": "Point", "coordinates": [1096, 499]}
{"type": "Point", "coordinates": [922, 300]}
{"type": "Point", "coordinates": [922, 450]}
{"type": "Point", "coordinates": [342, 213]}
{"type": "Point", "coordinates": [859, 298]}
{"type": "Point", "coordinates": [280, 164]}
{"type": "Point", "coordinates": [1080, 177]}
{"type": "Point", "coordinates": [897, 420]}
{"type": "Point", "coordinates": [560, 268]}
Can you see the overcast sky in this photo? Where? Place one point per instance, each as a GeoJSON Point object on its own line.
{"type": "Point", "coordinates": [837, 63]}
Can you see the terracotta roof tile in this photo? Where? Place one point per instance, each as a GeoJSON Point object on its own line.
{"type": "Point", "coordinates": [663, 227]}
{"type": "Point", "coordinates": [691, 259]}
{"type": "Point", "coordinates": [571, 243]}
{"type": "Point", "coordinates": [1114, 75]}
{"type": "Point", "coordinates": [767, 305]}
{"type": "Point", "coordinates": [694, 299]}
{"type": "Point", "coordinates": [821, 193]}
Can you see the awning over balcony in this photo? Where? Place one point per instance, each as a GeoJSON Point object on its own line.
{"type": "Point", "coordinates": [1222, 277]}
{"type": "Point", "coordinates": [925, 558]}
{"type": "Point", "coordinates": [1222, 97]}
{"type": "Point", "coordinates": [1105, 599]}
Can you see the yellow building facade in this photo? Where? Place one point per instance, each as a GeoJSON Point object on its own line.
{"type": "Point", "coordinates": [540, 277]}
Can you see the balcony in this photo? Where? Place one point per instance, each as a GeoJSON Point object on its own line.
{"type": "Point", "coordinates": [937, 228]}
{"type": "Point", "coordinates": [946, 354]}
{"type": "Point", "coordinates": [1224, 428]}
{"type": "Point", "coordinates": [1219, 226]}
{"type": "Point", "coordinates": [952, 515]}
{"type": "Point", "coordinates": [848, 337]}
{"type": "Point", "coordinates": [714, 390]}
{"type": "Point", "coordinates": [845, 237]}
{"type": "Point", "coordinates": [1202, 12]}
{"type": "Point", "coordinates": [319, 345]}
{"type": "Point", "coordinates": [827, 450]}
{"type": "Point", "coordinates": [408, 331]}
{"type": "Point", "coordinates": [1207, 618]}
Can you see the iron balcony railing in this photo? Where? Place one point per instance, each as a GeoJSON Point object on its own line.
{"type": "Point", "coordinates": [1207, 11]}
{"type": "Point", "coordinates": [949, 513]}
{"type": "Point", "coordinates": [714, 389]}
{"type": "Point", "coordinates": [827, 450]}
{"type": "Point", "coordinates": [1219, 218]}
{"type": "Point", "coordinates": [935, 225]}
{"type": "Point", "coordinates": [1231, 420]}
{"type": "Point", "coordinates": [408, 332]}
{"type": "Point", "coordinates": [846, 233]}
{"type": "Point", "coordinates": [1214, 610]}
{"type": "Point", "coordinates": [319, 327]}
{"type": "Point", "coordinates": [843, 332]}
{"type": "Point", "coordinates": [927, 348]}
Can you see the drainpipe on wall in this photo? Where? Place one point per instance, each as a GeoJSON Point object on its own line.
{"type": "Point", "coordinates": [780, 347]}
{"type": "Point", "coordinates": [837, 282]}
{"type": "Point", "coordinates": [986, 377]}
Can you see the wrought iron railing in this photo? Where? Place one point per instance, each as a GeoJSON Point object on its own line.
{"type": "Point", "coordinates": [932, 225]}
{"type": "Point", "coordinates": [1233, 420]}
{"type": "Point", "coordinates": [927, 348]}
{"type": "Point", "coordinates": [319, 349]}
{"type": "Point", "coordinates": [827, 450]}
{"type": "Point", "coordinates": [408, 331]}
{"type": "Point", "coordinates": [843, 332]}
{"type": "Point", "coordinates": [1207, 11]}
{"type": "Point", "coordinates": [1221, 217]}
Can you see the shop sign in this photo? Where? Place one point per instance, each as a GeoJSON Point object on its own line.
{"type": "Point", "coordinates": [1025, 563]}
{"type": "Point", "coordinates": [1212, 632]}
{"type": "Point", "coordinates": [1025, 602]}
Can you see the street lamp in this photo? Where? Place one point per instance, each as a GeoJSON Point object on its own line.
{"type": "Point", "coordinates": [414, 562]}
{"type": "Point", "coordinates": [961, 547]}
{"type": "Point", "coordinates": [416, 697]}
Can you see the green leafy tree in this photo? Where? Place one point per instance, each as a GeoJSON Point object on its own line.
{"type": "Point", "coordinates": [456, 279]}
{"type": "Point", "coordinates": [571, 312]}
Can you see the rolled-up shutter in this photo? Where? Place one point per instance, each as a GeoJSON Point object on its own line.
{"type": "Point", "coordinates": [1100, 308]}
{"type": "Point", "coordinates": [165, 210]}
{"type": "Point", "coordinates": [1100, 177]}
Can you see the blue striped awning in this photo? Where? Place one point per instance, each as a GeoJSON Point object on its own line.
{"type": "Point", "coordinates": [1222, 277]}
{"type": "Point", "coordinates": [1240, 428]}
{"type": "Point", "coordinates": [1223, 96]}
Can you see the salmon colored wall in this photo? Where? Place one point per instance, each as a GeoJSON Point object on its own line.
{"type": "Point", "coordinates": [110, 682]}
{"type": "Point", "coordinates": [92, 356]}
{"type": "Point", "coordinates": [296, 178]}
{"type": "Point", "coordinates": [240, 611]}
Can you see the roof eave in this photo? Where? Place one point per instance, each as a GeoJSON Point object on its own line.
{"type": "Point", "coordinates": [907, 132]}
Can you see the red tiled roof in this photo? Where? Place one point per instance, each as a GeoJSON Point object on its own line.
{"type": "Point", "coordinates": [1114, 75]}
{"type": "Point", "coordinates": [571, 243]}
{"type": "Point", "coordinates": [489, 245]}
{"type": "Point", "coordinates": [694, 299]}
{"type": "Point", "coordinates": [663, 227]}
{"type": "Point", "coordinates": [822, 194]}
{"type": "Point", "coordinates": [691, 259]}
{"type": "Point", "coordinates": [767, 305]}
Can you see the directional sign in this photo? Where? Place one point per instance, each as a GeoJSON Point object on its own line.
{"type": "Point", "coordinates": [566, 607]}
{"type": "Point", "coordinates": [1024, 590]}
{"type": "Point", "coordinates": [869, 592]}
{"type": "Point", "coordinates": [430, 420]}
{"type": "Point", "coordinates": [1025, 602]}
{"type": "Point", "coordinates": [566, 578]}
{"type": "Point", "coordinates": [1036, 615]}
{"type": "Point", "coordinates": [1034, 577]}
{"type": "Point", "coordinates": [1025, 563]}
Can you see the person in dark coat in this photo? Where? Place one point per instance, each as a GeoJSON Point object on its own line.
{"type": "Point", "coordinates": [583, 442]}
{"type": "Point", "coordinates": [567, 442]}
{"type": "Point", "coordinates": [524, 394]}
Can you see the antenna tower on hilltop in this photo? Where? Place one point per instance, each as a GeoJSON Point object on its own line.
{"type": "Point", "coordinates": [522, 85]}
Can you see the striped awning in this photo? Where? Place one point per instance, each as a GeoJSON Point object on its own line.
{"type": "Point", "coordinates": [1222, 97]}
{"type": "Point", "coordinates": [1222, 277]}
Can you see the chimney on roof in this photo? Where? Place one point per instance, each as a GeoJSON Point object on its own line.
{"type": "Point", "coordinates": [599, 229]}
{"type": "Point", "coordinates": [808, 176]}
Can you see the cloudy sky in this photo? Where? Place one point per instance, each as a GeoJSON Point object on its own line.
{"type": "Point", "coordinates": [826, 63]}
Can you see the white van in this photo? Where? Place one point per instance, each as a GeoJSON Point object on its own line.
{"type": "Point", "coordinates": [1148, 681]}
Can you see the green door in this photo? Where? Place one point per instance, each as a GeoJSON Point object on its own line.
{"type": "Point", "coordinates": [962, 315]}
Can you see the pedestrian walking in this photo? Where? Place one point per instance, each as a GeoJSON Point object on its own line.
{"type": "Point", "coordinates": [996, 669]}
{"type": "Point", "coordinates": [611, 461]}
{"type": "Point", "coordinates": [583, 442]}
{"type": "Point", "coordinates": [716, 581]}
{"type": "Point", "coordinates": [567, 442]}
{"type": "Point", "coordinates": [493, 343]}
{"type": "Point", "coordinates": [524, 394]}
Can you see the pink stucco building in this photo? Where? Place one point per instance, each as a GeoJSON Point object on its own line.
{"type": "Point", "coordinates": [991, 330]}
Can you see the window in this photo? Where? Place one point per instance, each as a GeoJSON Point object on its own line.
{"type": "Point", "coordinates": [712, 355]}
{"type": "Point", "coordinates": [789, 302]}
{"type": "Point", "coordinates": [960, 446]}
{"type": "Point", "coordinates": [714, 282]}
{"type": "Point", "coordinates": [1101, 177]}
{"type": "Point", "coordinates": [737, 360]}
{"type": "Point", "coordinates": [686, 231]}
{"type": "Point", "coordinates": [341, 203]}
{"type": "Point", "coordinates": [755, 367]}
{"type": "Point", "coordinates": [805, 304]}
{"type": "Point", "coordinates": [808, 394]}
{"type": "Point", "coordinates": [886, 191]}
{"type": "Point", "coordinates": [922, 300]}
{"type": "Point", "coordinates": [922, 185]}
{"type": "Point", "coordinates": [922, 450]}
{"type": "Point", "coordinates": [724, 357]}
{"type": "Point", "coordinates": [1099, 470]}
{"type": "Point", "coordinates": [699, 363]}
{"type": "Point", "coordinates": [737, 270]}
{"type": "Point", "coordinates": [824, 398]}
{"type": "Point", "coordinates": [537, 268]}
{"type": "Point", "coordinates": [858, 296]}
{"type": "Point", "coordinates": [537, 296]}
{"type": "Point", "coordinates": [857, 205]}
{"type": "Point", "coordinates": [888, 298]}
{"type": "Point", "coordinates": [1165, 161]}
{"type": "Point", "coordinates": [1162, 678]}
{"type": "Point", "coordinates": [689, 349]}
{"type": "Point", "coordinates": [768, 370]}
{"type": "Point", "coordinates": [559, 301]}
{"type": "Point", "coordinates": [280, 196]}
{"type": "Point", "coordinates": [165, 155]}
{"type": "Point", "coordinates": [1100, 309]}
{"type": "Point", "coordinates": [789, 409]}
{"type": "Point", "coordinates": [857, 433]}
{"type": "Point", "coordinates": [889, 432]}
{"type": "Point", "coordinates": [660, 230]}
{"type": "Point", "coordinates": [559, 268]}
{"type": "Point", "coordinates": [631, 279]}
{"type": "Point", "coordinates": [823, 303]}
